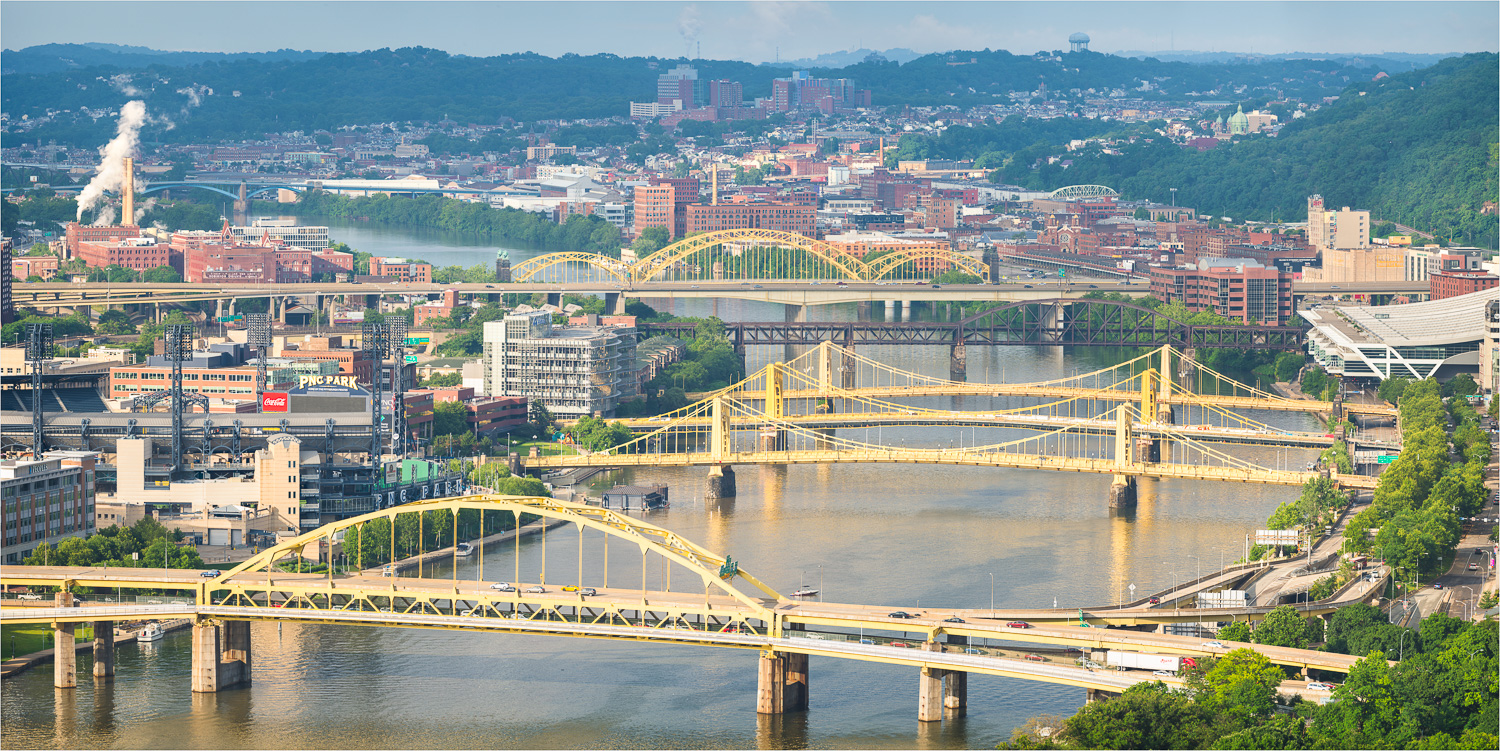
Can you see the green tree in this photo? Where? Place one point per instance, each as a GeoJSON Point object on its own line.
{"type": "Point", "coordinates": [450, 418]}
{"type": "Point", "coordinates": [650, 240]}
{"type": "Point", "coordinates": [1365, 712]}
{"type": "Point", "coordinates": [442, 380]}
{"type": "Point", "coordinates": [1241, 685]}
{"type": "Point", "coordinates": [161, 275]}
{"type": "Point", "coordinates": [1237, 631]}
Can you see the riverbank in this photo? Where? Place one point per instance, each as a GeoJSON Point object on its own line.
{"type": "Point", "coordinates": [22, 663]}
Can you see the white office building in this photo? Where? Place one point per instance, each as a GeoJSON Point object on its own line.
{"type": "Point", "coordinates": [285, 230]}
{"type": "Point", "coordinates": [575, 371]}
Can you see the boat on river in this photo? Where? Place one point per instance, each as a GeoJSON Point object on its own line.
{"type": "Point", "coordinates": [463, 550]}
{"type": "Point", "coordinates": [152, 632]}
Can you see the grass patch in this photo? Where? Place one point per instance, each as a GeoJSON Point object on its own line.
{"type": "Point", "coordinates": [24, 639]}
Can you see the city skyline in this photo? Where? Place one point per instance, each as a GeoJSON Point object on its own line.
{"type": "Point", "coordinates": [761, 31]}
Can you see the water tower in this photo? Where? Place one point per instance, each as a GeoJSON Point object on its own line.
{"type": "Point", "coordinates": [1078, 42]}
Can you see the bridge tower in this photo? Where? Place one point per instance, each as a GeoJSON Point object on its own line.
{"type": "Point", "coordinates": [720, 475]}
{"type": "Point", "coordinates": [774, 438]}
{"type": "Point", "coordinates": [1122, 489]}
{"type": "Point", "coordinates": [242, 206]}
{"type": "Point", "coordinates": [1146, 448]}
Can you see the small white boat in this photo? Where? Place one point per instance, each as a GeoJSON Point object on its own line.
{"type": "Point", "coordinates": [463, 550]}
{"type": "Point", "coordinates": [151, 632]}
{"type": "Point", "coordinates": [805, 592]}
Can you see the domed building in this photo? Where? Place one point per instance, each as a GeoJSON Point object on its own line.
{"type": "Point", "coordinates": [1239, 123]}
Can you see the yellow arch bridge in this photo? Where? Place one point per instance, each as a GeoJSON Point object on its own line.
{"type": "Point", "coordinates": [715, 602]}
{"type": "Point", "coordinates": [753, 254]}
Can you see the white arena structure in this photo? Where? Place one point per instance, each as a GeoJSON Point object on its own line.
{"type": "Point", "coordinates": [1437, 339]}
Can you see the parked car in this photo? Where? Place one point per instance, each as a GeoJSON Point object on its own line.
{"type": "Point", "coordinates": [954, 619]}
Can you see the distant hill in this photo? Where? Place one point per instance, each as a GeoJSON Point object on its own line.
{"type": "Point", "coordinates": [50, 58]}
{"type": "Point", "coordinates": [1418, 147]}
{"type": "Point", "coordinates": [846, 58]}
{"type": "Point", "coordinates": [1390, 62]}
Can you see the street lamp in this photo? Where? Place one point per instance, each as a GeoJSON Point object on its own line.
{"type": "Point", "coordinates": [992, 596]}
{"type": "Point", "coordinates": [1200, 566]}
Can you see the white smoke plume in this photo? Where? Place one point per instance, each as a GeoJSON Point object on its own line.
{"type": "Point", "coordinates": [106, 216]}
{"type": "Point", "coordinates": [110, 174]}
{"type": "Point", "coordinates": [689, 25]}
{"type": "Point", "coordinates": [195, 94]}
{"type": "Point", "coordinates": [140, 211]}
{"type": "Point", "coordinates": [122, 83]}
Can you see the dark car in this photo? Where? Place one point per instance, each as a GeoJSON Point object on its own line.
{"type": "Point", "coordinates": [1093, 286]}
{"type": "Point", "coordinates": [954, 619]}
{"type": "Point", "coordinates": [937, 286]}
{"type": "Point", "coordinates": [209, 574]}
{"type": "Point", "coordinates": [900, 614]}
{"type": "Point", "coordinates": [1028, 286]}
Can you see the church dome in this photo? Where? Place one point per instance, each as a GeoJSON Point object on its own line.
{"type": "Point", "coordinates": [1239, 123]}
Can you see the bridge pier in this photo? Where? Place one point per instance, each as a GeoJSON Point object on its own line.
{"type": "Point", "coordinates": [1122, 492]}
{"type": "Point", "coordinates": [781, 684]}
{"type": "Point", "coordinates": [890, 311]}
{"type": "Point", "coordinates": [720, 482]}
{"type": "Point", "coordinates": [554, 299]}
{"type": "Point", "coordinates": [64, 653]}
{"type": "Point", "coordinates": [614, 302]}
{"type": "Point", "coordinates": [906, 309]}
{"type": "Point", "coordinates": [221, 655]}
{"type": "Point", "coordinates": [772, 441]}
{"type": "Point", "coordinates": [941, 692]}
{"type": "Point", "coordinates": [104, 649]}
{"type": "Point", "coordinates": [1096, 694]}
{"type": "Point", "coordinates": [958, 361]}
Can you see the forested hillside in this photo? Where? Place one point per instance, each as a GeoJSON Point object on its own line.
{"type": "Point", "coordinates": [416, 84]}
{"type": "Point", "coordinates": [1418, 147]}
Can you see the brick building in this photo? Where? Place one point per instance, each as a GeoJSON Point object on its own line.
{"type": "Point", "coordinates": [801, 220]}
{"type": "Point", "coordinates": [75, 233]}
{"type": "Point", "coordinates": [136, 253]}
{"type": "Point", "coordinates": [401, 270]}
{"type": "Point", "coordinates": [1444, 284]}
{"type": "Point", "coordinates": [1238, 289]}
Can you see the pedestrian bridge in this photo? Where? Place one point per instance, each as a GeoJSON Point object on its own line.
{"type": "Point", "coordinates": [714, 603]}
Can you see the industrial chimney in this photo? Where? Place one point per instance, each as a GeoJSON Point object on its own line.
{"type": "Point", "coordinates": [127, 194]}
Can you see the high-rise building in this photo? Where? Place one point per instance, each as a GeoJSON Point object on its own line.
{"type": "Point", "coordinates": [678, 86]}
{"type": "Point", "coordinates": [654, 206]}
{"type": "Point", "coordinates": [287, 231]}
{"type": "Point", "coordinates": [723, 93]}
{"type": "Point", "coordinates": [46, 500]}
{"type": "Point", "coordinates": [576, 371]}
{"type": "Point", "coordinates": [801, 91]}
{"type": "Point", "coordinates": [1239, 289]}
{"type": "Point", "coordinates": [1344, 229]}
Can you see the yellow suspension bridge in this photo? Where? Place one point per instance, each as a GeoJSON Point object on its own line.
{"type": "Point", "coordinates": [1116, 421]}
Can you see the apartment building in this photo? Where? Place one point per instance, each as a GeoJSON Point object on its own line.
{"type": "Point", "coordinates": [574, 371]}
{"type": "Point", "coordinates": [285, 231]}
{"type": "Point", "coordinates": [135, 253]}
{"type": "Point", "coordinates": [46, 500]}
{"type": "Point", "coordinates": [401, 270]}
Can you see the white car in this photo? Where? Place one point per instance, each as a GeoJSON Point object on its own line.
{"type": "Point", "coordinates": [503, 586]}
{"type": "Point", "coordinates": [1214, 645]}
{"type": "Point", "coordinates": [536, 589]}
{"type": "Point", "coordinates": [1316, 686]}
{"type": "Point", "coordinates": [1164, 674]}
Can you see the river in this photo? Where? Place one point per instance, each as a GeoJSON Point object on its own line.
{"type": "Point", "coordinates": [904, 535]}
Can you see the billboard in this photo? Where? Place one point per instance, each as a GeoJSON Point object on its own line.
{"type": "Point", "coordinates": [1271, 537]}
{"type": "Point", "coordinates": [273, 401]}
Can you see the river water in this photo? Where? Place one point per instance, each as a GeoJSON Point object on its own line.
{"type": "Point", "coordinates": [907, 536]}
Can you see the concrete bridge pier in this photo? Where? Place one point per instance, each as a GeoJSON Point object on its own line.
{"type": "Point", "coordinates": [1122, 492]}
{"type": "Point", "coordinates": [221, 655]}
{"type": "Point", "coordinates": [890, 311]}
{"type": "Point", "coordinates": [906, 310]}
{"type": "Point", "coordinates": [614, 302]}
{"type": "Point", "coordinates": [941, 692]}
{"type": "Point", "coordinates": [781, 685]}
{"type": "Point", "coordinates": [720, 482]}
{"type": "Point", "coordinates": [64, 653]}
{"type": "Point", "coordinates": [958, 361]}
{"type": "Point", "coordinates": [104, 649]}
{"type": "Point", "coordinates": [1096, 694]}
{"type": "Point", "coordinates": [771, 441]}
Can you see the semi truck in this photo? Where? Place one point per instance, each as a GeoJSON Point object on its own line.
{"type": "Point", "coordinates": [1141, 661]}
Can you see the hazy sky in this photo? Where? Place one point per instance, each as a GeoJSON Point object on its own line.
{"type": "Point", "coordinates": [757, 31]}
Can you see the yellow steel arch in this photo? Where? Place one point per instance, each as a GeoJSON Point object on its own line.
{"type": "Point", "coordinates": [527, 270]}
{"type": "Point", "coordinates": [645, 269]}
{"type": "Point", "coordinates": [889, 262]}
{"type": "Point", "coordinates": [649, 537]}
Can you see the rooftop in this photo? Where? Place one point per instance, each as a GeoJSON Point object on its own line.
{"type": "Point", "coordinates": [1436, 322]}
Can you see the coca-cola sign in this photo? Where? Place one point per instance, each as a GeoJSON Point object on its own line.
{"type": "Point", "coordinates": [273, 401]}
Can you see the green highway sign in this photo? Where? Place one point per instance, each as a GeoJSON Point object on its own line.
{"type": "Point", "coordinates": [227, 319]}
{"type": "Point", "coordinates": [1062, 272]}
{"type": "Point", "coordinates": [1385, 458]}
{"type": "Point", "coordinates": [411, 359]}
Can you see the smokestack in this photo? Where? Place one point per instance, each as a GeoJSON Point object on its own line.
{"type": "Point", "coordinates": [127, 193]}
{"type": "Point", "coordinates": [716, 185]}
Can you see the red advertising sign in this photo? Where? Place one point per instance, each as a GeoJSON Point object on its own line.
{"type": "Point", "coordinates": [273, 401]}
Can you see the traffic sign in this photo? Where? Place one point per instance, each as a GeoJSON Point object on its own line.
{"type": "Point", "coordinates": [227, 319]}
{"type": "Point", "coordinates": [411, 359]}
{"type": "Point", "coordinates": [1386, 458]}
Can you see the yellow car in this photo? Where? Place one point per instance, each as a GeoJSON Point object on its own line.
{"type": "Point", "coordinates": [570, 589]}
